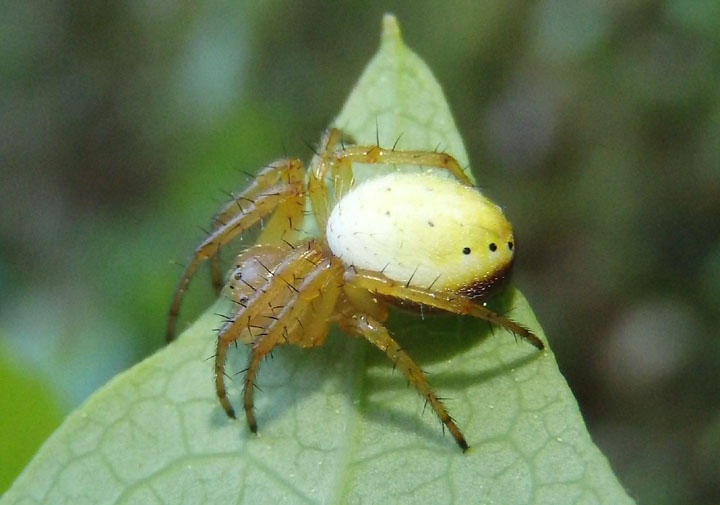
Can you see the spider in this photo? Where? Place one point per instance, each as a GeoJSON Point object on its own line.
{"type": "Point", "coordinates": [410, 239]}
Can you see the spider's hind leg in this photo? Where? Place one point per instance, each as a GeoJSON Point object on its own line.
{"type": "Point", "coordinates": [365, 326]}
{"type": "Point", "coordinates": [450, 302]}
{"type": "Point", "coordinates": [378, 155]}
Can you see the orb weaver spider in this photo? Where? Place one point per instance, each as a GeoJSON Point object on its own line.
{"type": "Point", "coordinates": [410, 239]}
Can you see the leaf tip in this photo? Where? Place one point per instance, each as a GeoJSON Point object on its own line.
{"type": "Point", "coordinates": [390, 29]}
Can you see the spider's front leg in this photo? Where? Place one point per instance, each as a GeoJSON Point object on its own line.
{"type": "Point", "coordinates": [304, 288]}
{"type": "Point", "coordinates": [254, 316]}
{"type": "Point", "coordinates": [279, 186]}
{"type": "Point", "coordinates": [302, 321]}
{"type": "Point", "coordinates": [365, 326]}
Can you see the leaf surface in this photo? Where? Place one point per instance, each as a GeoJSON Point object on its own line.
{"type": "Point", "coordinates": [336, 424]}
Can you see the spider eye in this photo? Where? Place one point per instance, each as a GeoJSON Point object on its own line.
{"type": "Point", "coordinates": [510, 245]}
{"type": "Point", "coordinates": [466, 250]}
{"type": "Point", "coordinates": [493, 247]}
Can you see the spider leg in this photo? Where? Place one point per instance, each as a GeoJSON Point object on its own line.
{"type": "Point", "coordinates": [289, 170]}
{"type": "Point", "coordinates": [298, 263]}
{"type": "Point", "coordinates": [280, 194]}
{"type": "Point", "coordinates": [377, 154]}
{"type": "Point", "coordinates": [365, 326]}
{"type": "Point", "coordinates": [318, 170]}
{"type": "Point", "coordinates": [457, 304]}
{"type": "Point", "coordinates": [339, 164]}
{"type": "Point", "coordinates": [321, 284]}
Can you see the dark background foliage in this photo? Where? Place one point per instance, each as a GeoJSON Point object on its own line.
{"type": "Point", "coordinates": [595, 124]}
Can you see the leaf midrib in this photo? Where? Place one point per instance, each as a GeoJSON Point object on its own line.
{"type": "Point", "coordinates": [357, 388]}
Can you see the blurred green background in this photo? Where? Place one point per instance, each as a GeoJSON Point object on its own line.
{"type": "Point", "coordinates": [595, 124]}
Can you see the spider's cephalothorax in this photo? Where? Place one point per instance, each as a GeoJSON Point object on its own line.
{"type": "Point", "coordinates": [416, 239]}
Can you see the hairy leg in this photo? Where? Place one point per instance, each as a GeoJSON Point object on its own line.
{"type": "Point", "coordinates": [457, 304]}
{"type": "Point", "coordinates": [283, 283]}
{"type": "Point", "coordinates": [320, 287]}
{"type": "Point", "coordinates": [365, 326]}
{"type": "Point", "coordinates": [339, 164]}
{"type": "Point", "coordinates": [288, 170]}
{"type": "Point", "coordinates": [345, 157]}
{"type": "Point", "coordinates": [281, 195]}
{"type": "Point", "coordinates": [318, 170]}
